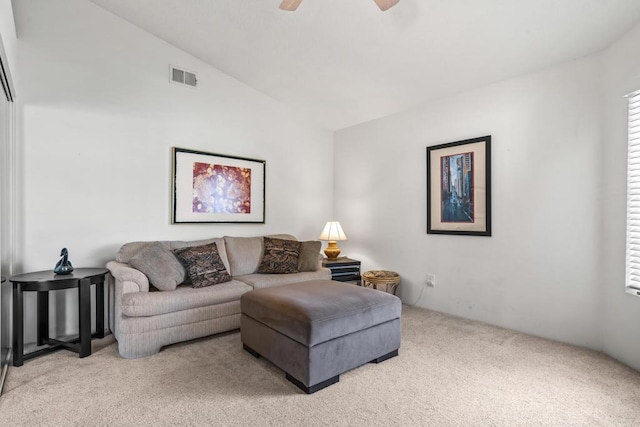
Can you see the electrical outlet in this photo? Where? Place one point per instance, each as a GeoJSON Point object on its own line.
{"type": "Point", "coordinates": [430, 281]}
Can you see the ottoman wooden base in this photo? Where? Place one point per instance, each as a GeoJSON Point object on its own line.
{"type": "Point", "coordinates": [316, 387]}
{"type": "Point", "coordinates": [315, 358]}
{"type": "Point", "coordinates": [322, 384]}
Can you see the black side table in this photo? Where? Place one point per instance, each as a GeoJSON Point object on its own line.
{"type": "Point", "coordinates": [343, 269]}
{"type": "Point", "coordinates": [44, 281]}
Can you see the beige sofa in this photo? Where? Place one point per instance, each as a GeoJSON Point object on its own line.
{"type": "Point", "coordinates": [143, 320]}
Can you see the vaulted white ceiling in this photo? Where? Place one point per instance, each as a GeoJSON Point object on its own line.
{"type": "Point", "coordinates": [343, 62]}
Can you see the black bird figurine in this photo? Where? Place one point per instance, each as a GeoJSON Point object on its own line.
{"type": "Point", "coordinates": [64, 265]}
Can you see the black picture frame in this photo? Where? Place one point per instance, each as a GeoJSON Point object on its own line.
{"type": "Point", "coordinates": [459, 187]}
{"type": "Point", "coordinates": [216, 188]}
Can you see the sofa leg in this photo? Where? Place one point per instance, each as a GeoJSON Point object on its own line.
{"type": "Point", "coordinates": [315, 387]}
{"type": "Point", "coordinates": [394, 353]}
{"type": "Point", "coordinates": [251, 351]}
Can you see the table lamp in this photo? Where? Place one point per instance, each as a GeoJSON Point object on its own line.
{"type": "Point", "coordinates": [332, 232]}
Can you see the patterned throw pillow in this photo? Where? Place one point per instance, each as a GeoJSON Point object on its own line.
{"type": "Point", "coordinates": [280, 256]}
{"type": "Point", "coordinates": [203, 264]}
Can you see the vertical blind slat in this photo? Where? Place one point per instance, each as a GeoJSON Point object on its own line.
{"type": "Point", "coordinates": [632, 278]}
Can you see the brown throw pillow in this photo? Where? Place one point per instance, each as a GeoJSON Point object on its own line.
{"type": "Point", "coordinates": [280, 256]}
{"type": "Point", "coordinates": [161, 267]}
{"type": "Point", "coordinates": [309, 258]}
{"type": "Point", "coordinates": [203, 264]}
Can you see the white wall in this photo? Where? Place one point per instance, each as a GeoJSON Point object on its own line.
{"type": "Point", "coordinates": [622, 311]}
{"type": "Point", "coordinates": [8, 30]}
{"type": "Point", "coordinates": [99, 118]}
{"type": "Point", "coordinates": [539, 272]}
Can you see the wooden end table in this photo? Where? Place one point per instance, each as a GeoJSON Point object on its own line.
{"type": "Point", "coordinates": [44, 281]}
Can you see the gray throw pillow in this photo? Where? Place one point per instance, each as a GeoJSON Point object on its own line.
{"type": "Point", "coordinates": [244, 254]}
{"type": "Point", "coordinates": [203, 264]}
{"type": "Point", "coordinates": [280, 256]}
{"type": "Point", "coordinates": [309, 258]}
{"type": "Point", "coordinates": [158, 263]}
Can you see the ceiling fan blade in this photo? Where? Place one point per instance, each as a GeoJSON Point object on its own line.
{"type": "Point", "coordinates": [291, 5]}
{"type": "Point", "coordinates": [385, 4]}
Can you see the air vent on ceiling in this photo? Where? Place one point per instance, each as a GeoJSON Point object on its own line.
{"type": "Point", "coordinates": [183, 77]}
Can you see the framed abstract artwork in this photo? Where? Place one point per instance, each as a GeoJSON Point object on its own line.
{"type": "Point", "coordinates": [210, 187]}
{"type": "Point", "coordinates": [459, 187]}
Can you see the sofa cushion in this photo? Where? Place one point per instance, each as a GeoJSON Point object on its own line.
{"type": "Point", "coordinates": [129, 250]}
{"type": "Point", "coordinates": [309, 259]}
{"type": "Point", "coordinates": [203, 264]}
{"type": "Point", "coordinates": [139, 304]}
{"type": "Point", "coordinates": [160, 265]}
{"type": "Point", "coordinates": [258, 281]}
{"type": "Point", "coordinates": [244, 253]}
{"type": "Point", "coordinates": [280, 256]}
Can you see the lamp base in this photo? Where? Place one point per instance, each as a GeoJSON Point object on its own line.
{"type": "Point", "coordinates": [332, 251]}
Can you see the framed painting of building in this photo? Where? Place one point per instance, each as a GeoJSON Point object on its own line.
{"type": "Point", "coordinates": [459, 187]}
{"type": "Point", "coordinates": [210, 187]}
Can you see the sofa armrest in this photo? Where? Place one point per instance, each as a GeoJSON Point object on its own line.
{"type": "Point", "coordinates": [130, 279]}
{"type": "Point", "coordinates": [122, 280]}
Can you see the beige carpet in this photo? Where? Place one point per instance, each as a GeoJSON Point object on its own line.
{"type": "Point", "coordinates": [450, 372]}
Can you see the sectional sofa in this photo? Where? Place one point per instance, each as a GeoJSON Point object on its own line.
{"type": "Point", "coordinates": [143, 319]}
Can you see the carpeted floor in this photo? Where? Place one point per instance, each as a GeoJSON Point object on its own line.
{"type": "Point", "coordinates": [450, 372]}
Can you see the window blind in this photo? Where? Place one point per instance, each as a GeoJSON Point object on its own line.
{"type": "Point", "coordinates": [633, 197]}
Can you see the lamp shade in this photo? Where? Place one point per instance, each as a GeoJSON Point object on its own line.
{"type": "Point", "coordinates": [332, 232]}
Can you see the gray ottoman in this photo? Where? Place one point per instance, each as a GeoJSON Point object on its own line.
{"type": "Point", "coordinates": [316, 330]}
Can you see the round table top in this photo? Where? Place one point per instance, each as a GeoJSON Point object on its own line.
{"type": "Point", "coordinates": [50, 276]}
{"type": "Point", "coordinates": [381, 276]}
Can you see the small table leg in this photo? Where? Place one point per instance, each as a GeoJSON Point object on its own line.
{"type": "Point", "coordinates": [84, 321]}
{"type": "Point", "coordinates": [43, 317]}
{"type": "Point", "coordinates": [100, 309]}
{"type": "Point", "coordinates": [18, 329]}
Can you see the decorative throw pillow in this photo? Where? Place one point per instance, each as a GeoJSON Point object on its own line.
{"type": "Point", "coordinates": [159, 265]}
{"type": "Point", "coordinates": [203, 264]}
{"type": "Point", "coordinates": [309, 258]}
{"type": "Point", "coordinates": [280, 256]}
